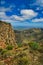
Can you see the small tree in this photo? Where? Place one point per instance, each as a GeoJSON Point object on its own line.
{"type": "Point", "coordinates": [34, 45]}
{"type": "Point", "coordinates": [9, 47]}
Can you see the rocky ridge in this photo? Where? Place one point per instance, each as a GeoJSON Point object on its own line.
{"type": "Point", "coordinates": [7, 35]}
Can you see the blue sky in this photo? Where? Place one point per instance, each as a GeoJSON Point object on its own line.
{"type": "Point", "coordinates": [22, 12]}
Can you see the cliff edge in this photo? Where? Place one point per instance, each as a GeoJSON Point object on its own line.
{"type": "Point", "coordinates": [7, 35]}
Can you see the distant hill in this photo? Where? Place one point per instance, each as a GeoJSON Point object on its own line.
{"type": "Point", "coordinates": [33, 34]}
{"type": "Point", "coordinates": [28, 26]}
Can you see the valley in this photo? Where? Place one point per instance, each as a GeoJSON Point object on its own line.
{"type": "Point", "coordinates": [20, 47]}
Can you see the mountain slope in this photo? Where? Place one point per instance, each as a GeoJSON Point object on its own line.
{"type": "Point", "coordinates": [32, 41]}
{"type": "Point", "coordinates": [7, 34]}
{"type": "Point", "coordinates": [20, 47]}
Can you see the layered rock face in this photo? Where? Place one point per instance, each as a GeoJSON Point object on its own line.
{"type": "Point", "coordinates": [7, 35]}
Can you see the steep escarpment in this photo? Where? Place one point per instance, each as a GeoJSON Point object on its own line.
{"type": "Point", "coordinates": [7, 34]}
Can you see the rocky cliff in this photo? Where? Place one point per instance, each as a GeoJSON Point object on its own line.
{"type": "Point", "coordinates": [7, 35]}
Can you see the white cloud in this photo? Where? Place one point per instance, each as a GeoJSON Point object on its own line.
{"type": "Point", "coordinates": [28, 14]}
{"type": "Point", "coordinates": [5, 9]}
{"type": "Point", "coordinates": [38, 3]}
{"type": "Point", "coordinates": [37, 20]}
{"type": "Point", "coordinates": [3, 16]}
{"type": "Point", "coordinates": [17, 18]}
{"type": "Point", "coordinates": [25, 14]}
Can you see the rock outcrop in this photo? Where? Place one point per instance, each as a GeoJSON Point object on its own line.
{"type": "Point", "coordinates": [7, 35]}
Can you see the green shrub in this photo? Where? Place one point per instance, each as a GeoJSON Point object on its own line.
{"type": "Point", "coordinates": [3, 51]}
{"type": "Point", "coordinates": [19, 44]}
{"type": "Point", "coordinates": [9, 47]}
{"type": "Point", "coordinates": [34, 45]}
{"type": "Point", "coordinates": [7, 54]}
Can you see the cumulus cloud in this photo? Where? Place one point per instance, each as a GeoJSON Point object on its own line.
{"type": "Point", "coordinates": [4, 17]}
{"type": "Point", "coordinates": [25, 14]}
{"type": "Point", "coordinates": [17, 18]}
{"type": "Point", "coordinates": [28, 13]}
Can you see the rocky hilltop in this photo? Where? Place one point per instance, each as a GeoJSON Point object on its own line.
{"type": "Point", "coordinates": [7, 35]}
